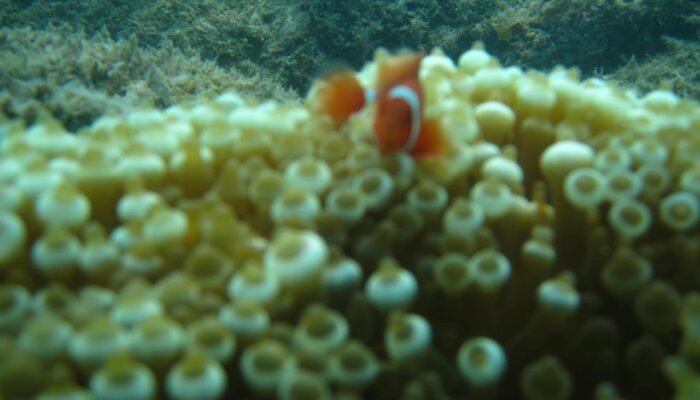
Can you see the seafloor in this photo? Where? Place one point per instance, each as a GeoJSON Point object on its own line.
{"type": "Point", "coordinates": [162, 170]}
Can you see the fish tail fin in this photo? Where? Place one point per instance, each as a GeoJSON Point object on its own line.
{"type": "Point", "coordinates": [396, 69]}
{"type": "Point", "coordinates": [432, 140]}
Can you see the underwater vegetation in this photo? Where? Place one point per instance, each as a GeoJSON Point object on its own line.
{"type": "Point", "coordinates": [236, 249]}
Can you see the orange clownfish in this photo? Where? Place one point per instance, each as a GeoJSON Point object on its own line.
{"type": "Point", "coordinates": [399, 124]}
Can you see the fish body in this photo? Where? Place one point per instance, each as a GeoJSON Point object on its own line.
{"type": "Point", "coordinates": [399, 124]}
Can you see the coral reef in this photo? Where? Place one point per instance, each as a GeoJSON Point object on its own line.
{"type": "Point", "coordinates": [233, 249]}
{"type": "Point", "coordinates": [76, 77]}
{"type": "Point", "coordinates": [287, 41]}
{"type": "Point", "coordinates": [263, 38]}
{"type": "Point", "coordinates": [674, 69]}
{"type": "Point", "coordinates": [587, 34]}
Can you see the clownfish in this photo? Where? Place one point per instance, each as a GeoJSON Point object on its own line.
{"type": "Point", "coordinates": [399, 124]}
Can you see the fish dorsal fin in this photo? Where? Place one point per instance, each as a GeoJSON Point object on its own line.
{"type": "Point", "coordinates": [411, 98]}
{"type": "Point", "coordinates": [395, 70]}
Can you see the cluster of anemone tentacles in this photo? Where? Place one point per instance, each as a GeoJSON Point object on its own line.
{"type": "Point", "coordinates": [234, 250]}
